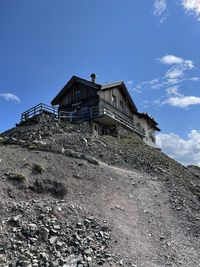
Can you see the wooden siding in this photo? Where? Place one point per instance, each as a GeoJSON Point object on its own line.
{"type": "Point", "coordinates": [121, 100]}
{"type": "Point", "coordinates": [70, 97]}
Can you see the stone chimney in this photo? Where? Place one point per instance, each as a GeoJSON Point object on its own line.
{"type": "Point", "coordinates": [93, 77]}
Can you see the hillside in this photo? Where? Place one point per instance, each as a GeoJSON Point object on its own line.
{"type": "Point", "coordinates": [72, 199]}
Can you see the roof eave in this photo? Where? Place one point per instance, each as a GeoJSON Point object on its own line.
{"type": "Point", "coordinates": [56, 100]}
{"type": "Point", "coordinates": [122, 84]}
{"type": "Point", "coordinates": [59, 95]}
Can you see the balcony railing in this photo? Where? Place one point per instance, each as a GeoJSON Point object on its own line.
{"type": "Point", "coordinates": [102, 110]}
{"type": "Point", "coordinates": [37, 110]}
{"type": "Point", "coordinates": [107, 110]}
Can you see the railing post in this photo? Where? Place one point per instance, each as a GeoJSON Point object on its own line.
{"type": "Point", "coordinates": [71, 119]}
{"type": "Point", "coordinates": [91, 113]}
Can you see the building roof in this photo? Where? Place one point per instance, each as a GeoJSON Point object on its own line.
{"type": "Point", "coordinates": [149, 119]}
{"type": "Point", "coordinates": [120, 84]}
{"type": "Point", "coordinates": [107, 86]}
{"type": "Point", "coordinates": [111, 85]}
{"type": "Point", "coordinates": [63, 91]}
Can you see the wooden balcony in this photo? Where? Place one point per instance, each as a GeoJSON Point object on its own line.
{"type": "Point", "coordinates": [103, 113]}
{"type": "Point", "coordinates": [110, 115]}
{"type": "Point", "coordinates": [37, 110]}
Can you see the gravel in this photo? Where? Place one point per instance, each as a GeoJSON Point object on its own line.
{"type": "Point", "coordinates": [94, 200]}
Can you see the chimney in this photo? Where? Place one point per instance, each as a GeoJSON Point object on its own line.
{"type": "Point", "coordinates": [93, 77]}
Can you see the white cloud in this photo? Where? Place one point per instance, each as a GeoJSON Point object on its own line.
{"type": "Point", "coordinates": [189, 64]}
{"type": "Point", "coordinates": [159, 7]}
{"type": "Point", "coordinates": [186, 151]}
{"type": "Point", "coordinates": [174, 81]}
{"type": "Point", "coordinates": [129, 82]}
{"type": "Point", "coordinates": [10, 97]}
{"type": "Point", "coordinates": [174, 75]}
{"type": "Point", "coordinates": [174, 72]}
{"type": "Point", "coordinates": [182, 101]}
{"type": "Point", "coordinates": [173, 91]}
{"type": "Point", "coordinates": [195, 79]}
{"type": "Point", "coordinates": [171, 59]}
{"type": "Point", "coordinates": [152, 84]}
{"type": "Point", "coordinates": [159, 10]}
{"type": "Point", "coordinates": [192, 6]}
{"type": "Point", "coordinates": [170, 83]}
{"type": "Point", "coordinates": [180, 66]}
{"type": "Point", "coordinates": [174, 60]}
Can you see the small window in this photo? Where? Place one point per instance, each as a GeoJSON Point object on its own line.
{"type": "Point", "coordinates": [114, 100]}
{"type": "Point", "coordinates": [152, 136]}
{"type": "Point", "coordinates": [77, 95]}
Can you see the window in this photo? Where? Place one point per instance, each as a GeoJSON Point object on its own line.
{"type": "Point", "coordinates": [121, 104]}
{"type": "Point", "coordinates": [114, 100]}
{"type": "Point", "coordinates": [77, 95]}
{"type": "Point", "coordinates": [152, 136]}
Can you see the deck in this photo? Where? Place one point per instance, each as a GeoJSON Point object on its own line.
{"type": "Point", "coordinates": [103, 113]}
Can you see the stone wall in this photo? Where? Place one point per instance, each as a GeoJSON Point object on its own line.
{"type": "Point", "coordinates": [123, 132]}
{"type": "Point", "coordinates": [44, 126]}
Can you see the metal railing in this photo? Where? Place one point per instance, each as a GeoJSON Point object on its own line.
{"type": "Point", "coordinates": [37, 110]}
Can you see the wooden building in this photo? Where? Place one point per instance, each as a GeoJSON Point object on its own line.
{"type": "Point", "coordinates": [109, 107]}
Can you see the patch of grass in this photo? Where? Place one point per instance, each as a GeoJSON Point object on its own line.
{"type": "Point", "coordinates": [129, 140]}
{"type": "Point", "coordinates": [16, 177]}
{"type": "Point", "coordinates": [37, 169]}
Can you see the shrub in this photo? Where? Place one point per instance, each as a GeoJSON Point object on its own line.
{"type": "Point", "coordinates": [16, 177]}
{"type": "Point", "coordinates": [37, 169]}
{"type": "Point", "coordinates": [1, 140]}
{"type": "Point", "coordinates": [57, 189]}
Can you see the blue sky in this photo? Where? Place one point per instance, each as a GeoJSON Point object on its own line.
{"type": "Point", "coordinates": [152, 45]}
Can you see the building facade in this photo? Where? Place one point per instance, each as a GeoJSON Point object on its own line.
{"type": "Point", "coordinates": [109, 107]}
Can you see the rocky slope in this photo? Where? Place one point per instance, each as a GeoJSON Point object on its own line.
{"type": "Point", "coordinates": [72, 199]}
{"type": "Point", "coordinates": [194, 169]}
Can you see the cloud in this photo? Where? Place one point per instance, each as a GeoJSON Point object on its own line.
{"type": "Point", "coordinates": [192, 6]}
{"type": "Point", "coordinates": [182, 101]}
{"type": "Point", "coordinates": [180, 65]}
{"type": "Point", "coordinates": [195, 79]}
{"type": "Point", "coordinates": [174, 60]}
{"type": "Point", "coordinates": [153, 84]}
{"type": "Point", "coordinates": [129, 82]}
{"type": "Point", "coordinates": [189, 64]}
{"type": "Point", "coordinates": [10, 97]}
{"type": "Point", "coordinates": [166, 90]}
{"type": "Point", "coordinates": [175, 81]}
{"type": "Point", "coordinates": [171, 59]}
{"type": "Point", "coordinates": [179, 70]}
{"type": "Point", "coordinates": [186, 151]}
{"type": "Point", "coordinates": [159, 7]}
{"type": "Point", "coordinates": [174, 77]}
{"type": "Point", "coordinates": [173, 91]}
{"type": "Point", "coordinates": [174, 72]}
